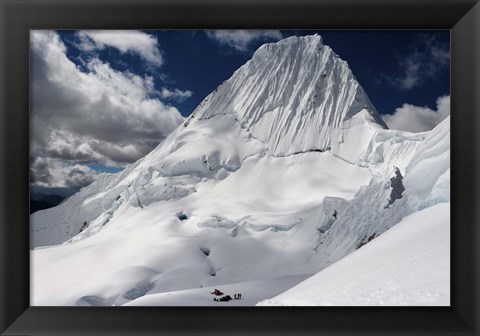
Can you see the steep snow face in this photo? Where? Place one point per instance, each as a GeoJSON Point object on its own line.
{"type": "Point", "coordinates": [297, 95]}
{"type": "Point", "coordinates": [409, 265]}
{"type": "Point", "coordinates": [424, 161]}
{"type": "Point", "coordinates": [428, 173]}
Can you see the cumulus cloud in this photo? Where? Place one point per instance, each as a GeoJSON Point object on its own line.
{"type": "Point", "coordinates": [125, 41]}
{"type": "Point", "coordinates": [241, 39]}
{"type": "Point", "coordinates": [418, 119]}
{"type": "Point", "coordinates": [51, 173]}
{"type": "Point", "coordinates": [97, 115]}
{"type": "Point", "coordinates": [427, 58]}
{"type": "Point", "coordinates": [176, 94]}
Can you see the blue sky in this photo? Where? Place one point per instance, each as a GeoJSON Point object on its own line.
{"type": "Point", "coordinates": [195, 62]}
{"type": "Point", "coordinates": [406, 74]}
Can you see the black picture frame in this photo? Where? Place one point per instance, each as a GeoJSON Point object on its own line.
{"type": "Point", "coordinates": [17, 17]}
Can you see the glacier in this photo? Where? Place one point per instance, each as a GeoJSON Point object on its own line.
{"type": "Point", "coordinates": [256, 173]}
{"type": "Point", "coordinates": [408, 265]}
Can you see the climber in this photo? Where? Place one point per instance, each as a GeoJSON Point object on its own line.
{"type": "Point", "coordinates": [335, 213]}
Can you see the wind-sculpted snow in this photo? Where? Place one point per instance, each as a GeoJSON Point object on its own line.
{"type": "Point", "coordinates": [367, 215]}
{"type": "Point", "coordinates": [295, 95]}
{"type": "Point", "coordinates": [372, 211]}
{"type": "Point", "coordinates": [407, 266]}
{"type": "Point", "coordinates": [283, 170]}
{"type": "Point", "coordinates": [332, 208]}
{"type": "Point", "coordinates": [161, 189]}
{"type": "Point", "coordinates": [217, 222]}
{"type": "Point", "coordinates": [427, 178]}
{"type": "Point", "coordinates": [390, 148]}
{"type": "Point", "coordinates": [271, 227]}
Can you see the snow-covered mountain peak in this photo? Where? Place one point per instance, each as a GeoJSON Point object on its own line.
{"type": "Point", "coordinates": [295, 95]}
{"type": "Point", "coordinates": [291, 42]}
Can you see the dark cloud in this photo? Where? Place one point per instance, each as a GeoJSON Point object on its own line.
{"type": "Point", "coordinates": [77, 178]}
{"type": "Point", "coordinates": [93, 115]}
{"type": "Point", "coordinates": [40, 172]}
{"type": "Point", "coordinates": [46, 172]}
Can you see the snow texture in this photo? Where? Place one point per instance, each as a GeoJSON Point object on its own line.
{"type": "Point", "coordinates": [409, 265]}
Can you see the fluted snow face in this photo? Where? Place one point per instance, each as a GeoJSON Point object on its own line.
{"type": "Point", "coordinates": [294, 95]}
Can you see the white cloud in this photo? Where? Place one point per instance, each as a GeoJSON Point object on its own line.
{"type": "Point", "coordinates": [133, 41]}
{"type": "Point", "coordinates": [175, 94]}
{"type": "Point", "coordinates": [411, 73]}
{"type": "Point", "coordinates": [426, 59]}
{"type": "Point", "coordinates": [100, 116]}
{"type": "Point", "coordinates": [418, 119]}
{"type": "Point", "coordinates": [241, 39]}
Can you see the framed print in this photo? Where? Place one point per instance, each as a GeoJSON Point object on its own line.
{"type": "Point", "coordinates": [239, 168]}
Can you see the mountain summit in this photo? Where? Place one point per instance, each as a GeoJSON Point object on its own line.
{"type": "Point", "coordinates": [295, 95]}
{"type": "Point", "coordinates": [284, 169]}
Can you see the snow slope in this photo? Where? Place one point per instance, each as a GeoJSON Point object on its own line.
{"type": "Point", "coordinates": [252, 292]}
{"type": "Point", "coordinates": [409, 265]}
{"type": "Point", "coordinates": [237, 230]}
{"type": "Point", "coordinates": [245, 190]}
